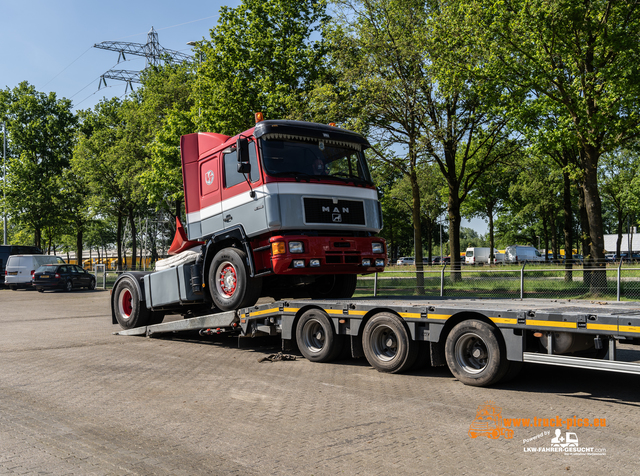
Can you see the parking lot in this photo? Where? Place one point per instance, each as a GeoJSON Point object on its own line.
{"type": "Point", "coordinates": [76, 399]}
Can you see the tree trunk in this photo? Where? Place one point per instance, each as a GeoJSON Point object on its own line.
{"type": "Point", "coordinates": [491, 238]}
{"type": "Point", "coordinates": [593, 207]}
{"type": "Point", "coordinates": [417, 233]}
{"type": "Point", "coordinates": [454, 234]}
{"type": "Point", "coordinates": [585, 239]}
{"type": "Point", "coordinates": [119, 241]}
{"type": "Point", "coordinates": [37, 237]}
{"type": "Point", "coordinates": [568, 226]}
{"type": "Point", "coordinates": [79, 234]}
{"type": "Point", "coordinates": [133, 238]}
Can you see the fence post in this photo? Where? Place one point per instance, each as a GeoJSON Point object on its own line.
{"type": "Point", "coordinates": [522, 281]}
{"type": "Point", "coordinates": [619, 278]}
{"type": "Point", "coordinates": [375, 285]}
{"type": "Point", "coordinates": [442, 280]}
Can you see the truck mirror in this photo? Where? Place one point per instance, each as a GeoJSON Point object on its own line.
{"type": "Point", "coordinates": [242, 149]}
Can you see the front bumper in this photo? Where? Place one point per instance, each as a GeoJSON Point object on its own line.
{"type": "Point", "coordinates": [333, 255]}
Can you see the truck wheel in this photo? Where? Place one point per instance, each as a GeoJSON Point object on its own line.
{"type": "Point", "coordinates": [387, 344]}
{"type": "Point", "coordinates": [156, 317]}
{"type": "Point", "coordinates": [333, 286]}
{"type": "Point", "coordinates": [316, 339]}
{"type": "Point", "coordinates": [475, 354]}
{"type": "Point", "coordinates": [129, 309]}
{"type": "Point", "coordinates": [230, 286]}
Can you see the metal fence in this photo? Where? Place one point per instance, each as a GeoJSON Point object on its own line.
{"type": "Point", "coordinates": [611, 283]}
{"type": "Point", "coordinates": [614, 283]}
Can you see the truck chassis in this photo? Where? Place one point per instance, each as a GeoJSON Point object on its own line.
{"type": "Point", "coordinates": [482, 342]}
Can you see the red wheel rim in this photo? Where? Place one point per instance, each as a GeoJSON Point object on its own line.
{"type": "Point", "coordinates": [125, 303]}
{"type": "Point", "coordinates": [227, 279]}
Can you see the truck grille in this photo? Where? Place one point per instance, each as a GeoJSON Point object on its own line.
{"type": "Point", "coordinates": [323, 210]}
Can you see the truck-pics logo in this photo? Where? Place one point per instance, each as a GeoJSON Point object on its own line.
{"type": "Point", "coordinates": [488, 422]}
{"type": "Point", "coordinates": [208, 177]}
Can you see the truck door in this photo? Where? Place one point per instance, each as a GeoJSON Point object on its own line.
{"type": "Point", "coordinates": [209, 215]}
{"type": "Point", "coordinates": [238, 207]}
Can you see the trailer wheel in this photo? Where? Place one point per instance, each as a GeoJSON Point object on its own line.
{"type": "Point", "coordinates": [229, 283]}
{"type": "Point", "coordinates": [130, 311]}
{"type": "Point", "coordinates": [475, 354]}
{"type": "Point", "coordinates": [333, 286]}
{"type": "Point", "coordinates": [387, 344]}
{"type": "Point", "coordinates": [315, 337]}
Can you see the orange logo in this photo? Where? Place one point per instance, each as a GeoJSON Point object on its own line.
{"type": "Point", "coordinates": [488, 422]}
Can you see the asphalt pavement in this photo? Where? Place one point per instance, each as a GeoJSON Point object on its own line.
{"type": "Point", "coordinates": [77, 399]}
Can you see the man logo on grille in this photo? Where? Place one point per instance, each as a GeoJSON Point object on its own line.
{"type": "Point", "coordinates": [208, 177]}
{"type": "Point", "coordinates": [337, 218]}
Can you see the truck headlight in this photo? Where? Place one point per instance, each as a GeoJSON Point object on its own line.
{"type": "Point", "coordinates": [379, 262]}
{"type": "Point", "coordinates": [377, 248]}
{"type": "Point", "coordinates": [298, 263]}
{"type": "Point", "coordinates": [366, 262]}
{"type": "Point", "coordinates": [296, 247]}
{"type": "Point", "coordinates": [314, 263]}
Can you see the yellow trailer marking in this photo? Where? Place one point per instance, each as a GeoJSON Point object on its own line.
{"type": "Point", "coordinates": [537, 323]}
{"type": "Point", "coordinates": [602, 327]}
{"type": "Point", "coordinates": [634, 329]}
{"type": "Point", "coordinates": [439, 316]}
{"type": "Point", "coordinates": [410, 315]}
{"type": "Point", "coordinates": [504, 320]}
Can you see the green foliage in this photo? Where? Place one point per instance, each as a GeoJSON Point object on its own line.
{"type": "Point", "coordinates": [261, 58]}
{"type": "Point", "coordinates": [40, 133]}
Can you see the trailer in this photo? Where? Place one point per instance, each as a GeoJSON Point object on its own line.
{"type": "Point", "coordinates": [482, 342]}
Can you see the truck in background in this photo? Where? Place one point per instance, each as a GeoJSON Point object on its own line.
{"type": "Point", "coordinates": [482, 255]}
{"type": "Point", "coordinates": [285, 209]}
{"type": "Point", "coordinates": [519, 254]}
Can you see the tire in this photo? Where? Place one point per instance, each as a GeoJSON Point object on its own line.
{"type": "Point", "coordinates": [68, 286]}
{"type": "Point", "coordinates": [387, 344]}
{"type": "Point", "coordinates": [475, 353]}
{"type": "Point", "coordinates": [315, 337]}
{"type": "Point", "coordinates": [92, 284]}
{"type": "Point", "coordinates": [230, 286]}
{"type": "Point", "coordinates": [156, 317]}
{"type": "Point", "coordinates": [40, 290]}
{"type": "Point", "coordinates": [333, 286]}
{"type": "Point", "coordinates": [130, 311]}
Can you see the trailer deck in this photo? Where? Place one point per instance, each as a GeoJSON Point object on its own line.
{"type": "Point", "coordinates": [530, 330]}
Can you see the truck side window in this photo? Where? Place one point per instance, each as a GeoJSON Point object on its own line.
{"type": "Point", "coordinates": [231, 175]}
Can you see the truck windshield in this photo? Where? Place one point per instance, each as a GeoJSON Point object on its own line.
{"type": "Point", "coordinates": [314, 159]}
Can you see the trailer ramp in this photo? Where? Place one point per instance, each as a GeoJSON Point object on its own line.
{"type": "Point", "coordinates": [210, 321]}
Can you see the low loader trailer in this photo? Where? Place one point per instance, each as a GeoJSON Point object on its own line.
{"type": "Point", "coordinates": [289, 209]}
{"type": "Point", "coordinates": [482, 342]}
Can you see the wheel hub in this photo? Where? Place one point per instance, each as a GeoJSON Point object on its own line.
{"type": "Point", "coordinates": [227, 279]}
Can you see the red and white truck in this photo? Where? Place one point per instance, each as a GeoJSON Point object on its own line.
{"type": "Point", "coordinates": [285, 209]}
{"type": "Point", "coordinates": [288, 209]}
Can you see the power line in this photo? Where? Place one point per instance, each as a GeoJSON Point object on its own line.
{"type": "Point", "coordinates": [168, 27]}
{"type": "Point", "coordinates": [67, 67]}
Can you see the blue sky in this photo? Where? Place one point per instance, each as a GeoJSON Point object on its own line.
{"type": "Point", "coordinates": [50, 43]}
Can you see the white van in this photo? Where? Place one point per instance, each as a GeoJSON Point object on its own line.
{"type": "Point", "coordinates": [479, 255]}
{"type": "Point", "coordinates": [519, 254]}
{"type": "Point", "coordinates": [20, 268]}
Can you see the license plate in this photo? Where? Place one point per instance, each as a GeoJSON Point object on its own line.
{"type": "Point", "coordinates": [13, 273]}
{"type": "Point", "coordinates": [44, 276]}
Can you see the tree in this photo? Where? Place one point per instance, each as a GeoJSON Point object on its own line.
{"type": "Point", "coordinates": [262, 57]}
{"type": "Point", "coordinates": [41, 130]}
{"type": "Point", "coordinates": [581, 56]}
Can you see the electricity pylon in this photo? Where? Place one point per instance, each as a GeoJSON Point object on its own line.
{"type": "Point", "coordinates": [151, 50]}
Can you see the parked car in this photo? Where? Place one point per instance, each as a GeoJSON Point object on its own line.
{"type": "Point", "coordinates": [519, 254]}
{"type": "Point", "coordinates": [62, 276]}
{"type": "Point", "coordinates": [404, 260]}
{"type": "Point", "coordinates": [445, 260]}
{"type": "Point", "coordinates": [8, 250]}
{"type": "Point", "coordinates": [20, 269]}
